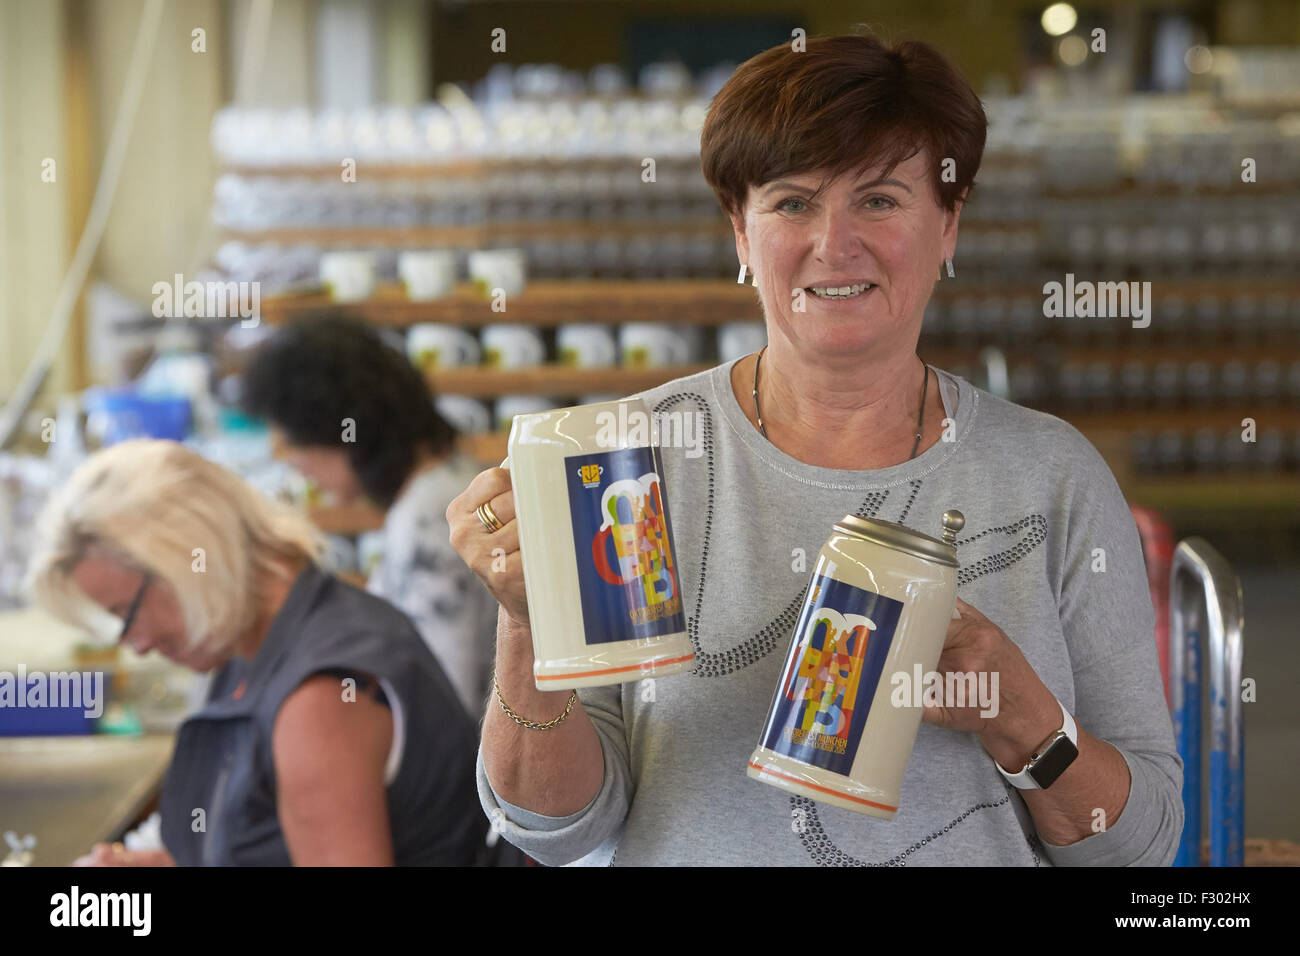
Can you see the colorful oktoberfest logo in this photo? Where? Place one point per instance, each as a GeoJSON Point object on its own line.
{"type": "Point", "coordinates": [826, 682]}
{"type": "Point", "coordinates": [831, 674]}
{"type": "Point", "coordinates": [626, 569]}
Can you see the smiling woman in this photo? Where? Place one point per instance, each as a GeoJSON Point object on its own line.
{"type": "Point", "coordinates": [844, 169]}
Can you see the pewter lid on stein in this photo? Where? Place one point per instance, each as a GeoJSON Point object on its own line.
{"type": "Point", "coordinates": [902, 538]}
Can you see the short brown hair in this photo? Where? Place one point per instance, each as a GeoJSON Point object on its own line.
{"type": "Point", "coordinates": [844, 103]}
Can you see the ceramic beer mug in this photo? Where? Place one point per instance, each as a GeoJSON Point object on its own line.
{"type": "Point", "coordinates": [600, 570]}
{"type": "Point", "coordinates": [878, 604]}
{"type": "Point", "coordinates": [432, 347]}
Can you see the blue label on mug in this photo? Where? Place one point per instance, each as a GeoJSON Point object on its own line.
{"type": "Point", "coordinates": [627, 572]}
{"type": "Point", "coordinates": [831, 673]}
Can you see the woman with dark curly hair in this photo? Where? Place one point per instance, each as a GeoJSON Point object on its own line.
{"type": "Point", "coordinates": [351, 412]}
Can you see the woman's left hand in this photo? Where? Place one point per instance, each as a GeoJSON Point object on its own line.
{"type": "Point", "coordinates": [1013, 695]}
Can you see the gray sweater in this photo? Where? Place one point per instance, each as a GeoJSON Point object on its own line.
{"type": "Point", "coordinates": [1038, 499]}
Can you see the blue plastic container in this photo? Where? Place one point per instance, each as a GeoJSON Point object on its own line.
{"type": "Point", "coordinates": [120, 414]}
{"type": "Point", "coordinates": [30, 721]}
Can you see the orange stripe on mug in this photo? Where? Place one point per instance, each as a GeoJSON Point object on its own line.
{"type": "Point", "coordinates": [813, 786]}
{"type": "Point", "coordinates": [613, 670]}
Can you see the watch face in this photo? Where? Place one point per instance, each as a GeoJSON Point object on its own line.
{"type": "Point", "coordinates": [1053, 762]}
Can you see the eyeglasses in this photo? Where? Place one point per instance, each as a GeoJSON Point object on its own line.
{"type": "Point", "coordinates": [135, 606]}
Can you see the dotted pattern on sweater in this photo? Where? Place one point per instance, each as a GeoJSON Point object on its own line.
{"type": "Point", "coordinates": [1034, 529]}
{"type": "Point", "coordinates": [774, 635]}
{"type": "Point", "coordinates": [720, 664]}
{"type": "Point", "coordinates": [871, 506]}
{"type": "Point", "coordinates": [824, 851]}
{"type": "Point", "coordinates": [702, 408]}
{"type": "Point", "coordinates": [916, 486]}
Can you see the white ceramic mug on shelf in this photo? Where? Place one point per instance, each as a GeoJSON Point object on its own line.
{"type": "Point", "coordinates": [504, 269]}
{"type": "Point", "coordinates": [586, 345]}
{"type": "Point", "coordinates": [468, 415]}
{"type": "Point", "coordinates": [427, 274]}
{"type": "Point", "coordinates": [512, 346]}
{"type": "Point", "coordinates": [652, 344]}
{"type": "Point", "coordinates": [348, 276]}
{"type": "Point", "coordinates": [432, 347]}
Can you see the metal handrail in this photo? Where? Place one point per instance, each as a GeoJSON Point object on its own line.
{"type": "Point", "coordinates": [1205, 594]}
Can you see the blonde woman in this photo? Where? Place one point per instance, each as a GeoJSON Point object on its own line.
{"type": "Point", "coordinates": [311, 675]}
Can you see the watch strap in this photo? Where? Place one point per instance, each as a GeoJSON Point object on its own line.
{"type": "Point", "coordinates": [1023, 780]}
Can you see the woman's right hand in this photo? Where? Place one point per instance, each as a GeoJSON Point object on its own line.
{"type": "Point", "coordinates": [495, 556]}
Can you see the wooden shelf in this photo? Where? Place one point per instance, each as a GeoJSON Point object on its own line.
{"type": "Point", "coordinates": [1215, 354]}
{"type": "Point", "coordinates": [1236, 492]}
{"type": "Point", "coordinates": [1162, 289]}
{"type": "Point", "coordinates": [365, 170]}
{"type": "Point", "coordinates": [468, 167]}
{"type": "Point", "coordinates": [543, 303]}
{"type": "Point", "coordinates": [478, 235]}
{"type": "Point", "coordinates": [347, 519]}
{"type": "Point", "coordinates": [1049, 355]}
{"type": "Point", "coordinates": [1130, 188]}
{"type": "Point", "coordinates": [359, 236]}
{"type": "Point", "coordinates": [489, 232]}
{"type": "Point", "coordinates": [550, 302]}
{"type": "Point", "coordinates": [558, 380]}
{"type": "Point", "coordinates": [1219, 418]}
{"type": "Point", "coordinates": [490, 448]}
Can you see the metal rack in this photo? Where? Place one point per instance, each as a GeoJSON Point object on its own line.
{"type": "Point", "coordinates": [1205, 600]}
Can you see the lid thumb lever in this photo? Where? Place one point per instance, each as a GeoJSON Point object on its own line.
{"type": "Point", "coordinates": [953, 522]}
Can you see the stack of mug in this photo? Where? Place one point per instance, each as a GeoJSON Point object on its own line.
{"type": "Point", "coordinates": [426, 274]}
{"type": "Point", "coordinates": [512, 346]}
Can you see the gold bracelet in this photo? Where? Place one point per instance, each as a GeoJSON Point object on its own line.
{"type": "Point", "coordinates": [532, 724]}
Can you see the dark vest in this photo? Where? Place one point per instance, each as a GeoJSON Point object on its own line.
{"type": "Point", "coordinates": [222, 763]}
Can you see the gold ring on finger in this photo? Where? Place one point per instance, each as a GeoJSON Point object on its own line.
{"type": "Point", "coordinates": [487, 517]}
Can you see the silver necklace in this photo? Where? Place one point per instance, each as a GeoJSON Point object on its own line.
{"type": "Point", "coordinates": [920, 419]}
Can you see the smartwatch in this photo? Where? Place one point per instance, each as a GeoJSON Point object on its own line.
{"type": "Point", "coordinates": [1049, 759]}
